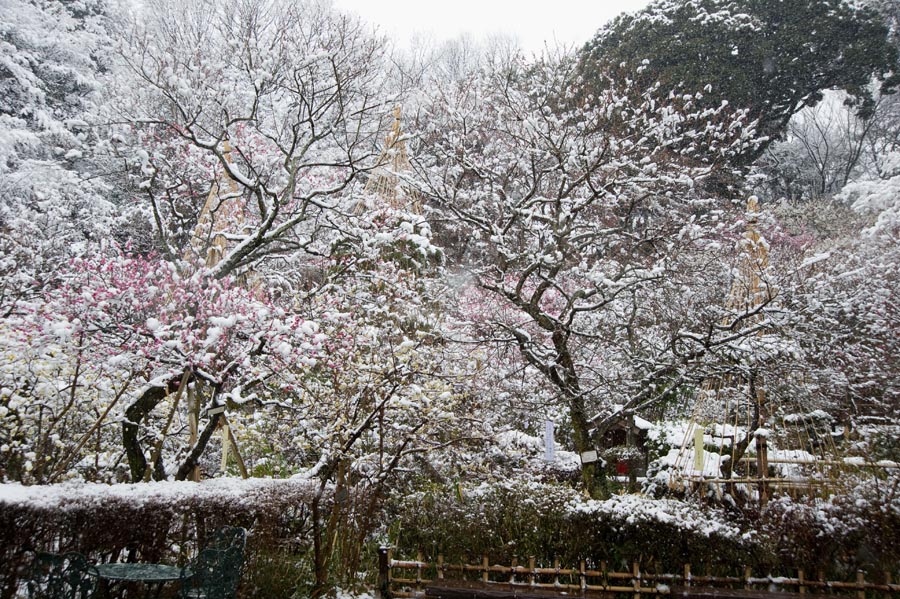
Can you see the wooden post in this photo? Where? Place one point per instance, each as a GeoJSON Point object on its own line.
{"type": "Point", "coordinates": [440, 566]}
{"type": "Point", "coordinates": [800, 581]}
{"type": "Point", "coordinates": [242, 467]}
{"type": "Point", "coordinates": [748, 574]}
{"type": "Point", "coordinates": [582, 577]}
{"type": "Point", "coordinates": [636, 579]}
{"type": "Point", "coordinates": [194, 425]}
{"type": "Point", "coordinates": [860, 584]}
{"type": "Point", "coordinates": [762, 449]}
{"type": "Point", "coordinates": [485, 569]}
{"type": "Point", "coordinates": [531, 566]}
{"type": "Point", "coordinates": [384, 573]}
{"type": "Point", "coordinates": [512, 571]}
{"type": "Point", "coordinates": [556, 575]}
{"type": "Point", "coordinates": [687, 575]}
{"type": "Point", "coordinates": [419, 560]}
{"type": "Point", "coordinates": [604, 573]}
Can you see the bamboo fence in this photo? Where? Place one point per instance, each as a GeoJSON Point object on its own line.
{"type": "Point", "coordinates": [409, 578]}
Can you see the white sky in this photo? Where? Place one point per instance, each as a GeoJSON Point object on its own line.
{"type": "Point", "coordinates": [531, 22]}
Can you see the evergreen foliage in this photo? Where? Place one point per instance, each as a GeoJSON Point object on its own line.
{"type": "Point", "coordinates": [772, 58]}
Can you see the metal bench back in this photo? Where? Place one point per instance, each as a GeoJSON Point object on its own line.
{"type": "Point", "coordinates": [66, 576]}
{"type": "Point", "coordinates": [215, 574]}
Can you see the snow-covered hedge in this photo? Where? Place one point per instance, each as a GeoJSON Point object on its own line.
{"type": "Point", "coordinates": [856, 529]}
{"type": "Point", "coordinates": [518, 519]}
{"type": "Point", "coordinates": [157, 521]}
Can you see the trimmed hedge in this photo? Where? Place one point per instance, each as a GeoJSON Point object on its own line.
{"type": "Point", "coordinates": [158, 522]}
{"type": "Point", "coordinates": [521, 519]}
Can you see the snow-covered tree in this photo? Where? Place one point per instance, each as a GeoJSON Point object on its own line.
{"type": "Point", "coordinates": [52, 56]}
{"type": "Point", "coordinates": [577, 220]}
{"type": "Point", "coordinates": [122, 335]}
{"type": "Point", "coordinates": [294, 89]}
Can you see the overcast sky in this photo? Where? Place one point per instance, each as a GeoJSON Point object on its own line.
{"type": "Point", "coordinates": [532, 23]}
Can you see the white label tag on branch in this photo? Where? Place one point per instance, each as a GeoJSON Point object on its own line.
{"type": "Point", "coordinates": [214, 411]}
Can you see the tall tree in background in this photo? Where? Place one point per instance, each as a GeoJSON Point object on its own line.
{"type": "Point", "coordinates": [52, 203]}
{"type": "Point", "coordinates": [772, 58]}
{"type": "Point", "coordinates": [581, 225]}
{"type": "Point", "coordinates": [281, 101]}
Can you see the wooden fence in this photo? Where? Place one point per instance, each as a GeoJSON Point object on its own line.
{"type": "Point", "coordinates": [410, 578]}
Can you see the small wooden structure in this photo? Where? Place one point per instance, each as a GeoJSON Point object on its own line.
{"type": "Point", "coordinates": [626, 442]}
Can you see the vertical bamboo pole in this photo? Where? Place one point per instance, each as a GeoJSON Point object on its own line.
{"type": "Point", "coordinates": [531, 566]}
{"type": "Point", "coordinates": [860, 584]}
{"type": "Point", "coordinates": [419, 561]}
{"type": "Point", "coordinates": [194, 424]}
{"type": "Point", "coordinates": [604, 574]}
{"type": "Point", "coordinates": [748, 574]}
{"type": "Point", "coordinates": [485, 569]}
{"type": "Point", "coordinates": [762, 449]}
{"type": "Point", "coordinates": [800, 580]}
{"type": "Point", "coordinates": [223, 427]}
{"type": "Point", "coordinates": [582, 577]}
{"type": "Point", "coordinates": [512, 571]}
{"type": "Point", "coordinates": [687, 575]}
{"type": "Point", "coordinates": [556, 575]}
{"type": "Point", "coordinates": [440, 566]}
{"type": "Point", "coordinates": [636, 579]}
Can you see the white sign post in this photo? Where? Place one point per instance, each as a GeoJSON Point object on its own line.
{"type": "Point", "coordinates": [549, 442]}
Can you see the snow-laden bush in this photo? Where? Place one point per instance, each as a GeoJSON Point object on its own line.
{"type": "Point", "coordinates": [857, 529]}
{"type": "Point", "coordinates": [154, 522]}
{"type": "Point", "coordinates": [520, 518]}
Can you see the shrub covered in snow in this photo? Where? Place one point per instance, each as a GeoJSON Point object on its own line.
{"type": "Point", "coordinates": [518, 519]}
{"type": "Point", "coordinates": [155, 522]}
{"type": "Point", "coordinates": [857, 529]}
{"type": "Point", "coordinates": [521, 518]}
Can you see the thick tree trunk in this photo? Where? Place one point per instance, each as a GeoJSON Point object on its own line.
{"type": "Point", "coordinates": [729, 466]}
{"type": "Point", "coordinates": [134, 417]}
{"type": "Point", "coordinates": [592, 473]}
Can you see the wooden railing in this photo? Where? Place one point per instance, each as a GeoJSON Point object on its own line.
{"type": "Point", "coordinates": [410, 578]}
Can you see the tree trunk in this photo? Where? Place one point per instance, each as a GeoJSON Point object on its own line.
{"type": "Point", "coordinates": [134, 416]}
{"type": "Point", "coordinates": [323, 540]}
{"type": "Point", "coordinates": [729, 465]}
{"type": "Point", "coordinates": [566, 379]}
{"type": "Point", "coordinates": [593, 475]}
{"type": "Point", "coordinates": [193, 458]}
